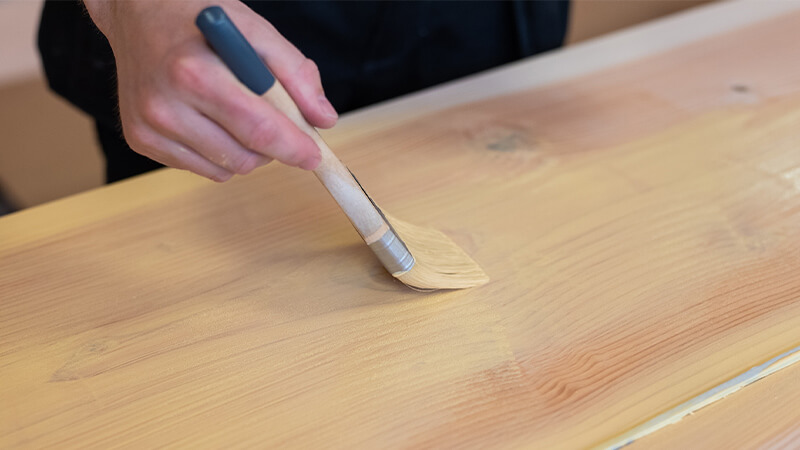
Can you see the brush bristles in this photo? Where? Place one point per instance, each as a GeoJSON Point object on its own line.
{"type": "Point", "coordinates": [440, 263]}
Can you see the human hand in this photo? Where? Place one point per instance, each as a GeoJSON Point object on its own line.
{"type": "Point", "coordinates": [181, 106]}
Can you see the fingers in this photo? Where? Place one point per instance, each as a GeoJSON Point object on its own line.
{"type": "Point", "coordinates": [305, 87]}
{"type": "Point", "coordinates": [258, 126]}
{"type": "Point", "coordinates": [212, 142]}
{"type": "Point", "coordinates": [211, 88]}
{"type": "Point", "coordinates": [181, 106]}
{"type": "Point", "coordinates": [298, 74]}
{"type": "Point", "coordinates": [173, 154]}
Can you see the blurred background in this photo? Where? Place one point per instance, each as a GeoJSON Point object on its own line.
{"type": "Point", "coordinates": [48, 149]}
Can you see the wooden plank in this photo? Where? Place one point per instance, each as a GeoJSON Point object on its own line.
{"type": "Point", "coordinates": [715, 394]}
{"type": "Point", "coordinates": [622, 47]}
{"type": "Point", "coordinates": [765, 415]}
{"type": "Point", "coordinates": [640, 226]}
{"type": "Point", "coordinates": [32, 162]}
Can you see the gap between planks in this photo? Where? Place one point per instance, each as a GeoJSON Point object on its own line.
{"type": "Point", "coordinates": [694, 404]}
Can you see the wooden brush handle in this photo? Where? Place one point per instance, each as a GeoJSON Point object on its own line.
{"type": "Point", "coordinates": [226, 40]}
{"type": "Point", "coordinates": [333, 174]}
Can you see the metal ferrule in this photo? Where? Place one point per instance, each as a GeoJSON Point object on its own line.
{"type": "Point", "coordinates": [393, 253]}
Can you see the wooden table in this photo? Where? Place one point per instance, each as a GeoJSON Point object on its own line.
{"type": "Point", "coordinates": [636, 201]}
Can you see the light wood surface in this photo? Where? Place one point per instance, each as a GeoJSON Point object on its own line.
{"type": "Point", "coordinates": [640, 226]}
{"type": "Point", "coordinates": [424, 259]}
{"type": "Point", "coordinates": [682, 29]}
{"type": "Point", "coordinates": [765, 415]}
{"type": "Point", "coordinates": [32, 162]}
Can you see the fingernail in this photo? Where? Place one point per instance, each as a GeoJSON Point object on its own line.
{"type": "Point", "coordinates": [311, 163]}
{"type": "Point", "coordinates": [327, 108]}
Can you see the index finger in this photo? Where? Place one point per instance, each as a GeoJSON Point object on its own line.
{"type": "Point", "coordinates": [214, 91]}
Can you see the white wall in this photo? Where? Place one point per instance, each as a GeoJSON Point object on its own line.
{"type": "Point", "coordinates": [19, 20]}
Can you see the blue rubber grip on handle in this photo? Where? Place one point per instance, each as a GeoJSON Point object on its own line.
{"type": "Point", "coordinates": [234, 50]}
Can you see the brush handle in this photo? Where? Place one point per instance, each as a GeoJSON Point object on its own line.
{"type": "Point", "coordinates": [240, 57]}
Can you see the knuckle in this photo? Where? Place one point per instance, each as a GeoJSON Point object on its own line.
{"type": "Point", "coordinates": [308, 69]}
{"type": "Point", "coordinates": [262, 136]}
{"type": "Point", "coordinates": [156, 113]}
{"type": "Point", "coordinates": [146, 142]}
{"type": "Point", "coordinates": [186, 72]}
{"type": "Point", "coordinates": [140, 137]}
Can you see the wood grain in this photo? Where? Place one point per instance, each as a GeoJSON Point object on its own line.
{"type": "Point", "coordinates": [640, 226]}
{"type": "Point", "coordinates": [765, 415]}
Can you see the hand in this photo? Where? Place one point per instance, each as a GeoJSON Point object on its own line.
{"type": "Point", "coordinates": [181, 106]}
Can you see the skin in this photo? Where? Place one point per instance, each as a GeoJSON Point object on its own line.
{"type": "Point", "coordinates": [180, 105]}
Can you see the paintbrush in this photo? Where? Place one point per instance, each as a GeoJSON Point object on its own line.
{"type": "Point", "coordinates": [422, 258]}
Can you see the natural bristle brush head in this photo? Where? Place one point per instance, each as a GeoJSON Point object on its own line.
{"type": "Point", "coordinates": [434, 262]}
{"type": "Point", "coordinates": [439, 262]}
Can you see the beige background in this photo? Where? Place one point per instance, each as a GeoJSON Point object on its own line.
{"type": "Point", "coordinates": [48, 150]}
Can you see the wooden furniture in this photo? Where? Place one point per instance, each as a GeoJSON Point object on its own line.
{"type": "Point", "coordinates": [636, 201]}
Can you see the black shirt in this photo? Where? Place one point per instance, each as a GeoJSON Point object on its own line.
{"type": "Point", "coordinates": [367, 51]}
